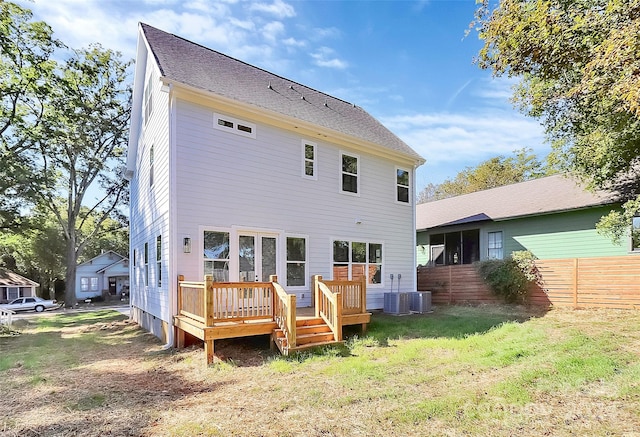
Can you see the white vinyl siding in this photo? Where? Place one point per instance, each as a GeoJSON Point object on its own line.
{"type": "Point", "coordinates": [227, 181]}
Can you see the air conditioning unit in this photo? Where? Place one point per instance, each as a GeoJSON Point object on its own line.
{"type": "Point", "coordinates": [396, 303]}
{"type": "Point", "coordinates": [420, 302]}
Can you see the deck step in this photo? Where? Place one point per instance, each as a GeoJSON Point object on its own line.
{"type": "Point", "coordinates": [312, 345]}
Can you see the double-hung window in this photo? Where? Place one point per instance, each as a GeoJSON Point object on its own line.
{"type": "Point", "coordinates": [159, 261]}
{"type": "Point", "coordinates": [148, 101]}
{"type": "Point", "coordinates": [146, 264]}
{"type": "Point", "coordinates": [353, 260]}
{"type": "Point", "coordinates": [309, 162]}
{"type": "Point", "coordinates": [350, 170]}
{"type": "Point", "coordinates": [635, 234]}
{"type": "Point", "coordinates": [296, 262]}
{"type": "Point", "coordinates": [402, 185]}
{"type": "Point", "coordinates": [151, 158]}
{"type": "Point", "coordinates": [495, 245]}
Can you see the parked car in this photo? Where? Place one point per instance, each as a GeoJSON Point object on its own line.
{"type": "Point", "coordinates": [30, 304]}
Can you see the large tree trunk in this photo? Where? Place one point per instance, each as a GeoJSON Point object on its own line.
{"type": "Point", "coordinates": [70, 276]}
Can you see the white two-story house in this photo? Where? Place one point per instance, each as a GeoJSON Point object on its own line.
{"type": "Point", "coordinates": [239, 173]}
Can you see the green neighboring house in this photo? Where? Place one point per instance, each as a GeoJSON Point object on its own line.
{"type": "Point", "coordinates": [553, 217]}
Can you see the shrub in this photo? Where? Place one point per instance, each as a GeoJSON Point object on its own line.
{"type": "Point", "coordinates": [505, 278]}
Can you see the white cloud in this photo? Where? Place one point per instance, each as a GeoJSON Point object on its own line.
{"type": "Point", "coordinates": [271, 31]}
{"type": "Point", "coordinates": [292, 42]}
{"type": "Point", "coordinates": [324, 57]}
{"type": "Point", "coordinates": [448, 138]}
{"type": "Point", "coordinates": [278, 8]}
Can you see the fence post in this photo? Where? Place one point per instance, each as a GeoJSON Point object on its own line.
{"type": "Point", "coordinates": [575, 283]}
{"type": "Point", "coordinates": [180, 279]}
{"type": "Point", "coordinates": [363, 295]}
{"type": "Point", "coordinates": [315, 279]}
{"type": "Point", "coordinates": [291, 319]}
{"type": "Point", "coordinates": [208, 302]}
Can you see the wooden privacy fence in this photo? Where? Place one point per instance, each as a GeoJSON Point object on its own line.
{"type": "Point", "coordinates": [607, 282]}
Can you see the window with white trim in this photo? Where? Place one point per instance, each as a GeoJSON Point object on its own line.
{"type": "Point", "coordinates": [495, 245]}
{"type": "Point", "coordinates": [148, 101]}
{"type": "Point", "coordinates": [296, 262]}
{"type": "Point", "coordinates": [151, 158]}
{"type": "Point", "coordinates": [402, 186]}
{"type": "Point", "coordinates": [216, 255]}
{"type": "Point", "coordinates": [352, 260]}
{"type": "Point", "coordinates": [635, 234]}
{"type": "Point", "coordinates": [350, 170]}
{"type": "Point", "coordinates": [309, 163]}
{"type": "Point", "coordinates": [146, 264]}
{"type": "Point", "coordinates": [89, 283]}
{"type": "Point", "coordinates": [159, 261]}
{"type": "Point", "coordinates": [234, 125]}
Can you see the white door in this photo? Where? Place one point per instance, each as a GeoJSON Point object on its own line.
{"type": "Point", "coordinates": [257, 256]}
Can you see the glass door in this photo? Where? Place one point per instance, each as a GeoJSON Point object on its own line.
{"type": "Point", "coordinates": [257, 257]}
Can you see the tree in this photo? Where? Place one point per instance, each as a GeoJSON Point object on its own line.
{"type": "Point", "coordinates": [25, 67]}
{"type": "Point", "coordinates": [579, 67]}
{"type": "Point", "coordinates": [78, 147]}
{"type": "Point", "coordinates": [494, 172]}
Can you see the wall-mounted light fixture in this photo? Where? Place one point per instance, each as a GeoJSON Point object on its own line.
{"type": "Point", "coordinates": [186, 244]}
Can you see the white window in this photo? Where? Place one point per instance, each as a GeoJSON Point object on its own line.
{"type": "Point", "coordinates": [89, 284]}
{"type": "Point", "coordinates": [151, 158]}
{"type": "Point", "coordinates": [159, 261]}
{"type": "Point", "coordinates": [94, 284]}
{"type": "Point", "coordinates": [402, 186]}
{"type": "Point", "coordinates": [350, 169]}
{"type": "Point", "coordinates": [352, 260]}
{"type": "Point", "coordinates": [13, 293]}
{"type": "Point", "coordinates": [495, 245]}
{"type": "Point", "coordinates": [216, 255]}
{"type": "Point", "coordinates": [148, 101]}
{"type": "Point", "coordinates": [635, 234]}
{"type": "Point", "coordinates": [234, 125]}
{"type": "Point", "coordinates": [146, 264]}
{"type": "Point", "coordinates": [296, 262]}
{"type": "Point", "coordinates": [309, 162]}
{"type": "Point", "coordinates": [84, 284]}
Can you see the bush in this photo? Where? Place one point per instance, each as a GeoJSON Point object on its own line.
{"type": "Point", "coordinates": [505, 278]}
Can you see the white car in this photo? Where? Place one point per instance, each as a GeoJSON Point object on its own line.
{"type": "Point", "coordinates": [30, 304]}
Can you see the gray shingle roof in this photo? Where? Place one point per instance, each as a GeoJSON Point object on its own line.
{"type": "Point", "coordinates": [191, 64]}
{"type": "Point", "coordinates": [538, 196]}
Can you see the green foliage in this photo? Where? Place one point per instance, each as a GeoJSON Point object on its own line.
{"type": "Point", "coordinates": [578, 63]}
{"type": "Point", "coordinates": [492, 173]}
{"type": "Point", "coordinates": [505, 278]}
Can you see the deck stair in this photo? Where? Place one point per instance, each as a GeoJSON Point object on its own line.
{"type": "Point", "coordinates": [310, 333]}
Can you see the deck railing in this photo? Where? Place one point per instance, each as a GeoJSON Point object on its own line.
{"type": "Point", "coordinates": [212, 302]}
{"type": "Point", "coordinates": [354, 294]}
{"type": "Point", "coordinates": [284, 313]}
{"type": "Point", "coordinates": [6, 317]}
{"type": "Point", "coordinates": [328, 306]}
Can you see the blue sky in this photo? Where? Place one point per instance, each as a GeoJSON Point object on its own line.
{"type": "Point", "coordinates": [408, 63]}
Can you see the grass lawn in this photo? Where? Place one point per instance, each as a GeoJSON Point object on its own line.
{"type": "Point", "coordinates": [498, 371]}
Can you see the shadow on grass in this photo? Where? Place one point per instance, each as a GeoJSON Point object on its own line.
{"type": "Point", "coordinates": [446, 322]}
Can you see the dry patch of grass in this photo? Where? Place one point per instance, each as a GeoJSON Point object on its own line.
{"type": "Point", "coordinates": [460, 371]}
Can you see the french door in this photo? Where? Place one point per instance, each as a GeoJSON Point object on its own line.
{"type": "Point", "coordinates": [257, 256]}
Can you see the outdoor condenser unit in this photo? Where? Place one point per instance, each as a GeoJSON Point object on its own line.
{"type": "Point", "coordinates": [396, 303]}
{"type": "Point", "coordinates": [420, 302]}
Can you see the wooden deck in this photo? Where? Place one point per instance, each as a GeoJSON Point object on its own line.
{"type": "Point", "coordinates": [212, 311]}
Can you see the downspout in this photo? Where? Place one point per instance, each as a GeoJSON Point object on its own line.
{"type": "Point", "coordinates": [415, 237]}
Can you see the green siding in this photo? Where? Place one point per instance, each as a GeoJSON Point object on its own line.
{"type": "Point", "coordinates": [422, 251]}
{"type": "Point", "coordinates": [565, 235]}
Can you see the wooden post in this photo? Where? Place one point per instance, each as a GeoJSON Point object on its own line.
{"type": "Point", "coordinates": [180, 279]}
{"type": "Point", "coordinates": [363, 295]}
{"type": "Point", "coordinates": [179, 338]}
{"type": "Point", "coordinates": [208, 301]}
{"type": "Point", "coordinates": [575, 283]}
{"type": "Point", "coordinates": [208, 351]}
{"type": "Point", "coordinates": [315, 280]}
{"type": "Point", "coordinates": [291, 319]}
{"type": "Point", "coordinates": [338, 317]}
